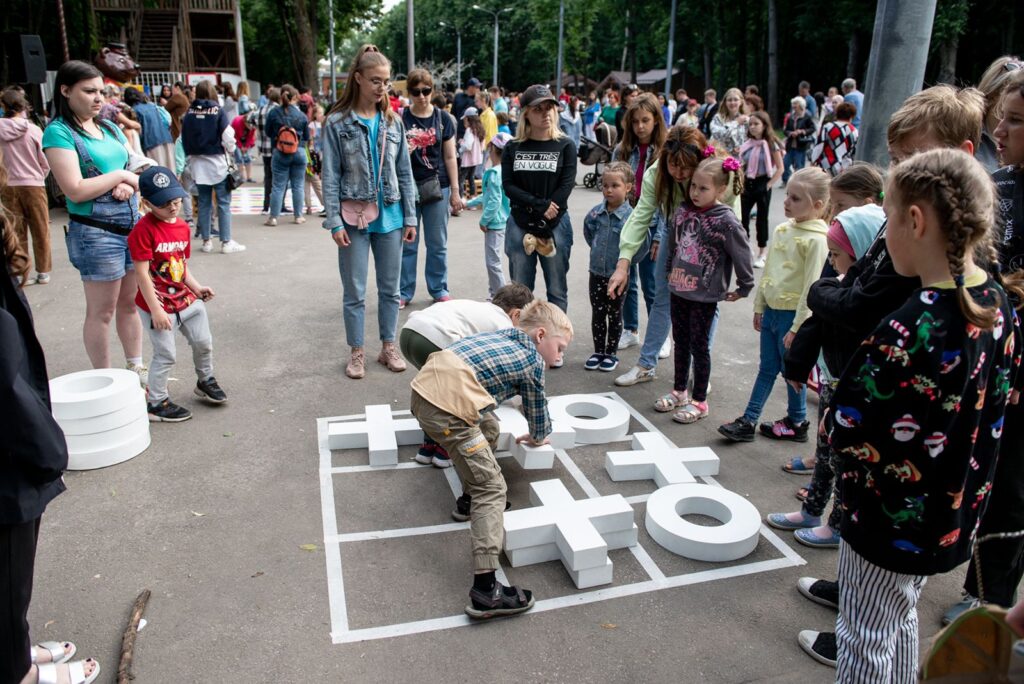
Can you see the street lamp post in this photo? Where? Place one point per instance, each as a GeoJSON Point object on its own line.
{"type": "Point", "coordinates": [671, 51]}
{"type": "Point", "coordinates": [494, 69]}
{"type": "Point", "coordinates": [458, 54]}
{"type": "Point", "coordinates": [561, 28]}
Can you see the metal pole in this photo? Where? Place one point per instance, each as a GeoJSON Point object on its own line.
{"type": "Point", "coordinates": [901, 36]}
{"type": "Point", "coordinates": [671, 54]}
{"type": "Point", "coordinates": [561, 29]}
{"type": "Point", "coordinates": [494, 71]}
{"type": "Point", "coordinates": [334, 73]}
{"type": "Point", "coordinates": [63, 30]}
{"type": "Point", "coordinates": [410, 42]}
{"type": "Point", "coordinates": [458, 59]}
{"type": "Point", "coordinates": [238, 39]}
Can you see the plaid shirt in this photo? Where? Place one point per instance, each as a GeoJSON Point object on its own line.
{"type": "Point", "coordinates": [506, 363]}
{"type": "Point", "coordinates": [266, 144]}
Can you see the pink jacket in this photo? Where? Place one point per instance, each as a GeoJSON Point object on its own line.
{"type": "Point", "coordinates": [21, 144]}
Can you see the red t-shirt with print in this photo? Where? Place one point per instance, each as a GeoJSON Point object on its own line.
{"type": "Point", "coordinates": [167, 247]}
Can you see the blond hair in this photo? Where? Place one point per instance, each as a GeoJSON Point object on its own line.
{"type": "Point", "coordinates": [542, 314]}
{"type": "Point", "coordinates": [366, 57]}
{"type": "Point", "coordinates": [947, 114]}
{"type": "Point", "coordinates": [815, 182]}
{"type": "Point", "coordinates": [993, 82]}
{"type": "Point", "coordinates": [523, 129]}
{"type": "Point", "coordinates": [722, 177]}
{"type": "Point", "coordinates": [621, 169]}
{"type": "Point", "coordinates": [723, 111]}
{"type": "Point", "coordinates": [963, 197]}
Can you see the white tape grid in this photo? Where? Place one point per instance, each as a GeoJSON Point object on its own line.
{"type": "Point", "coordinates": [340, 632]}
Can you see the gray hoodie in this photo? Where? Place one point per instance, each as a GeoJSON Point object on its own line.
{"type": "Point", "coordinates": [705, 247]}
{"type": "Point", "coordinates": [21, 142]}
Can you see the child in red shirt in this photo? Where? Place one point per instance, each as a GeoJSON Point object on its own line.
{"type": "Point", "coordinates": [169, 297]}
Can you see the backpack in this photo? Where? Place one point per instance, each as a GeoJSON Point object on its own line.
{"type": "Point", "coordinates": [287, 138]}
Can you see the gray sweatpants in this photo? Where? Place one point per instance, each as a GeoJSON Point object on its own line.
{"type": "Point", "coordinates": [195, 326]}
{"type": "Point", "coordinates": [494, 244]}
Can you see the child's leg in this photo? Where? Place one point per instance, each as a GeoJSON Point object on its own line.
{"type": "Point", "coordinates": [700, 333]}
{"type": "Point", "coordinates": [195, 326]}
{"type": "Point", "coordinates": [797, 401]}
{"type": "Point", "coordinates": [681, 311]}
{"type": "Point", "coordinates": [599, 312]}
{"type": "Point", "coordinates": [163, 358]}
{"type": "Point", "coordinates": [747, 201]}
{"type": "Point", "coordinates": [494, 240]}
{"type": "Point", "coordinates": [763, 201]}
{"type": "Point", "coordinates": [876, 630]}
{"type": "Point", "coordinates": [768, 368]}
{"type": "Point", "coordinates": [823, 477]}
{"type": "Point", "coordinates": [614, 320]}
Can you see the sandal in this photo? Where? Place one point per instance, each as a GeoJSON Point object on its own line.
{"type": "Point", "coordinates": [802, 493]}
{"type": "Point", "coordinates": [691, 413]}
{"type": "Point", "coordinates": [670, 401]}
{"type": "Point", "coordinates": [57, 651]}
{"type": "Point", "coordinates": [796, 466]}
{"type": "Point", "coordinates": [497, 603]}
{"type": "Point", "coordinates": [76, 672]}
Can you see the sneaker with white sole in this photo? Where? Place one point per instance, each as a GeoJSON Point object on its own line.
{"type": "Point", "coordinates": [231, 247]}
{"type": "Point", "coordinates": [143, 371]}
{"type": "Point", "coordinates": [819, 645]}
{"type": "Point", "coordinates": [635, 375]}
{"type": "Point", "coordinates": [609, 363]}
{"type": "Point", "coordinates": [822, 592]}
{"type": "Point", "coordinates": [666, 348]}
{"type": "Point", "coordinates": [594, 362]}
{"type": "Point", "coordinates": [628, 339]}
{"type": "Point", "coordinates": [207, 246]}
{"type": "Point", "coordinates": [270, 221]}
{"type": "Point", "coordinates": [42, 278]}
{"type": "Point", "coordinates": [759, 262]}
{"type": "Point", "coordinates": [167, 412]}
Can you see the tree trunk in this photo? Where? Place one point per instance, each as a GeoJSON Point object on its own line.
{"type": "Point", "coordinates": [852, 55]}
{"type": "Point", "coordinates": [947, 61]}
{"type": "Point", "coordinates": [744, 20]}
{"type": "Point", "coordinates": [773, 62]}
{"type": "Point", "coordinates": [283, 10]}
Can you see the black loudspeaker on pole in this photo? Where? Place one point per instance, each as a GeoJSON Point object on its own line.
{"type": "Point", "coordinates": [26, 60]}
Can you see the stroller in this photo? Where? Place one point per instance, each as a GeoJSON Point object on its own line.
{"type": "Point", "coordinates": [597, 153]}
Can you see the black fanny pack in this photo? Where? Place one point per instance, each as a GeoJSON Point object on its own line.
{"type": "Point", "coordinates": [102, 225]}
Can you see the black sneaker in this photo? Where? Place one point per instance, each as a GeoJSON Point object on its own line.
{"type": "Point", "coordinates": [820, 591]}
{"type": "Point", "coordinates": [462, 504]}
{"type": "Point", "coordinates": [819, 645]}
{"type": "Point", "coordinates": [784, 429]}
{"type": "Point", "coordinates": [739, 430]}
{"type": "Point", "coordinates": [209, 389]}
{"type": "Point", "coordinates": [167, 412]}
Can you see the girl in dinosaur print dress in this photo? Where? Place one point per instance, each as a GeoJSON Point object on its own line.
{"type": "Point", "coordinates": [917, 415]}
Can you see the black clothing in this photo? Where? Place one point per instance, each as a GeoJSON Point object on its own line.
{"type": "Point", "coordinates": [17, 566]}
{"type": "Point", "coordinates": [535, 173]}
{"type": "Point", "coordinates": [428, 157]}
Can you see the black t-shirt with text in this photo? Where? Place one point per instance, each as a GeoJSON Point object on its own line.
{"type": "Point", "coordinates": [535, 173]}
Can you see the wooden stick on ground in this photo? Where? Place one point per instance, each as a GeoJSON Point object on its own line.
{"type": "Point", "coordinates": [124, 674]}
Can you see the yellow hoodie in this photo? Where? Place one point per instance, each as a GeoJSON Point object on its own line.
{"type": "Point", "coordinates": [796, 255]}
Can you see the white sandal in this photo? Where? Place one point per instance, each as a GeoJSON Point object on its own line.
{"type": "Point", "coordinates": [56, 650]}
{"type": "Point", "coordinates": [671, 401]}
{"type": "Point", "coordinates": [690, 413]}
{"type": "Point", "coordinates": [76, 672]}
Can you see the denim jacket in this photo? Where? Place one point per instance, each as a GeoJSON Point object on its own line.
{"type": "Point", "coordinates": [346, 167]}
{"type": "Point", "coordinates": [601, 230]}
{"type": "Point", "coordinates": [658, 223]}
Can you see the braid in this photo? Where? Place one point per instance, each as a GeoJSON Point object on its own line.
{"type": "Point", "coordinates": [737, 183]}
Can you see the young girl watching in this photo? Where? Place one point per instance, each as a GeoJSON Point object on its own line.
{"type": "Point", "coordinates": [601, 230]}
{"type": "Point", "coordinates": [795, 258]}
{"type": "Point", "coordinates": [495, 214]}
{"type": "Point", "coordinates": [643, 134]}
{"type": "Point", "coordinates": [761, 154]}
{"type": "Point", "coordinates": [471, 153]}
{"type": "Point", "coordinates": [705, 245]}
{"type": "Point", "coordinates": [918, 432]}
{"type": "Point", "coordinates": [729, 125]}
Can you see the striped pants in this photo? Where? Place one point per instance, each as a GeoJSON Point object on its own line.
{"type": "Point", "coordinates": [876, 631]}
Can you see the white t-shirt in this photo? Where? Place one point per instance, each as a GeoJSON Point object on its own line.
{"type": "Point", "coordinates": [447, 322]}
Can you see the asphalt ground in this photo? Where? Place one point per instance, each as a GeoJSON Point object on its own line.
{"type": "Point", "coordinates": [221, 517]}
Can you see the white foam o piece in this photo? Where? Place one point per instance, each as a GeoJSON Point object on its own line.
{"type": "Point", "coordinates": [596, 419]}
{"type": "Point", "coordinates": [733, 539]}
{"type": "Point", "coordinates": [109, 455]}
{"type": "Point", "coordinates": [91, 393]}
{"type": "Point", "coordinates": [95, 441]}
{"type": "Point", "coordinates": [106, 422]}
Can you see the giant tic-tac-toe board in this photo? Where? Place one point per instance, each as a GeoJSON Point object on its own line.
{"type": "Point", "coordinates": [611, 468]}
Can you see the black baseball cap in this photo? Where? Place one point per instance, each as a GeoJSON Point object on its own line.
{"type": "Point", "coordinates": [536, 94]}
{"type": "Point", "coordinates": [473, 82]}
{"type": "Point", "coordinates": [159, 186]}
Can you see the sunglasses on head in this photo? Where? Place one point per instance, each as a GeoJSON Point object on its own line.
{"type": "Point", "coordinates": [416, 92]}
{"type": "Point", "coordinates": [1012, 66]}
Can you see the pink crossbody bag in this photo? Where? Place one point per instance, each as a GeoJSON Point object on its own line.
{"type": "Point", "coordinates": [361, 213]}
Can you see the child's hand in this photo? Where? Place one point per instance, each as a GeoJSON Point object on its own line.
{"type": "Point", "coordinates": [822, 430]}
{"type": "Point", "coordinates": [122, 192]}
{"type": "Point", "coordinates": [757, 322]}
{"type": "Point", "coordinates": [732, 296]}
{"type": "Point", "coordinates": [530, 441]}
{"type": "Point", "coordinates": [161, 321]}
{"type": "Point", "coordinates": [797, 386]}
{"type": "Point", "coordinates": [788, 339]}
{"type": "Point", "coordinates": [653, 254]}
{"type": "Point", "coordinates": [205, 293]}
{"type": "Point", "coordinates": [1014, 397]}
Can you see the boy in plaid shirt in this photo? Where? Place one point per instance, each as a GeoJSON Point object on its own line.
{"type": "Point", "coordinates": [453, 397]}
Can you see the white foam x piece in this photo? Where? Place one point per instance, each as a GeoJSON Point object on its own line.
{"type": "Point", "coordinates": [576, 528]}
{"type": "Point", "coordinates": [380, 433]}
{"type": "Point", "coordinates": [654, 458]}
{"type": "Point", "coordinates": [534, 458]}
{"type": "Point", "coordinates": [596, 419]}
{"type": "Point", "coordinates": [733, 539]}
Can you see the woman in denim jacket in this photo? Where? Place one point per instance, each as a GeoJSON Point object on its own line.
{"type": "Point", "coordinates": [362, 167]}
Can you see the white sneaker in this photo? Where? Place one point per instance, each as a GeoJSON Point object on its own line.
{"type": "Point", "coordinates": [666, 348]}
{"type": "Point", "coordinates": [230, 247]}
{"type": "Point", "coordinates": [142, 370]}
{"type": "Point", "coordinates": [207, 246]}
{"type": "Point", "coordinates": [270, 222]}
{"type": "Point", "coordinates": [628, 339]}
{"type": "Point", "coordinates": [635, 375]}
{"type": "Point", "coordinates": [759, 262]}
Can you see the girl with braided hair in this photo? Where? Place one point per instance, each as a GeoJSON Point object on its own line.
{"type": "Point", "coordinates": [917, 416]}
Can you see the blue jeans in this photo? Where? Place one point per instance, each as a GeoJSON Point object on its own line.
{"type": "Point", "coordinates": [659, 318]}
{"type": "Point", "coordinates": [523, 268]}
{"type": "Point", "coordinates": [641, 275]}
{"type": "Point", "coordinates": [223, 209]}
{"type": "Point", "coordinates": [289, 169]}
{"type": "Point", "coordinates": [793, 161]}
{"type": "Point", "coordinates": [774, 326]}
{"type": "Point", "coordinates": [432, 224]}
{"type": "Point", "coordinates": [353, 263]}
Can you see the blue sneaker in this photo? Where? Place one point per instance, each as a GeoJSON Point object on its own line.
{"type": "Point", "coordinates": [609, 363]}
{"type": "Point", "coordinates": [780, 522]}
{"type": "Point", "coordinates": [808, 537]}
{"type": "Point", "coordinates": [594, 362]}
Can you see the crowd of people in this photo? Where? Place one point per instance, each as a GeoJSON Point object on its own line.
{"type": "Point", "coordinates": [891, 292]}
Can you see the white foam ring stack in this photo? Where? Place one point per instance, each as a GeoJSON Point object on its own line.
{"type": "Point", "coordinates": [103, 415]}
{"type": "Point", "coordinates": [577, 532]}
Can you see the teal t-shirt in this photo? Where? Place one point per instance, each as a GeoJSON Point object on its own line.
{"type": "Point", "coordinates": [390, 218]}
{"type": "Point", "coordinates": [108, 153]}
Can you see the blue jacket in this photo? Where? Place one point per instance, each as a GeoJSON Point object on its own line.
{"type": "Point", "coordinates": [495, 203]}
{"type": "Point", "coordinates": [601, 230]}
{"type": "Point", "coordinates": [202, 126]}
{"type": "Point", "coordinates": [279, 117]}
{"type": "Point", "coordinates": [346, 167]}
{"type": "Point", "coordinates": [154, 130]}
